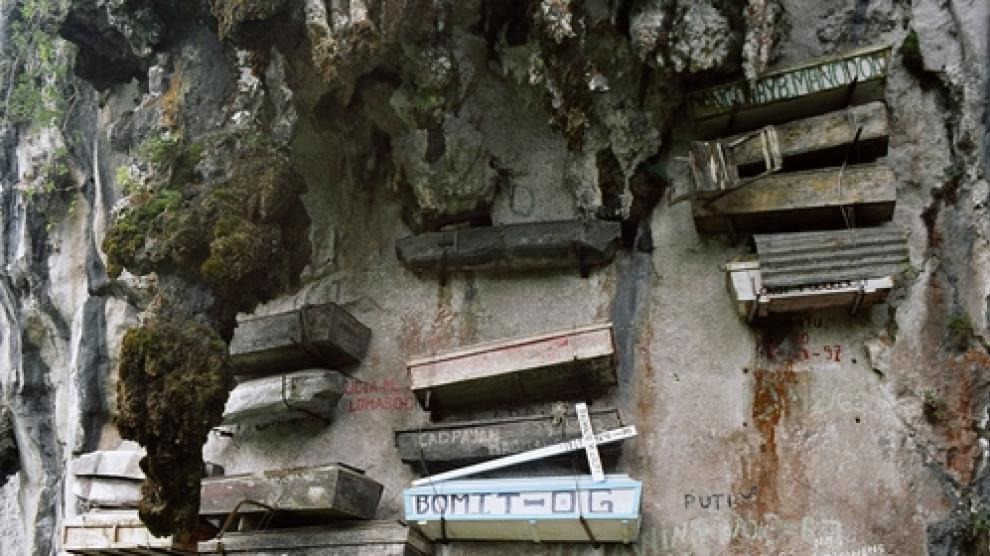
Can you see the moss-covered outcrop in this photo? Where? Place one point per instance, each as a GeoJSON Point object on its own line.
{"type": "Point", "coordinates": [243, 233]}
{"type": "Point", "coordinates": [10, 462]}
{"type": "Point", "coordinates": [174, 381]}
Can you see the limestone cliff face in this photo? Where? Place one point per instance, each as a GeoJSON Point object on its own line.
{"type": "Point", "coordinates": [187, 161]}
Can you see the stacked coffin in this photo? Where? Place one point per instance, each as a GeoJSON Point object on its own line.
{"type": "Point", "coordinates": [286, 364]}
{"type": "Point", "coordinates": [578, 244]}
{"type": "Point", "coordinates": [108, 484]}
{"type": "Point", "coordinates": [811, 183]}
{"type": "Point", "coordinates": [108, 478]}
{"type": "Point", "coordinates": [565, 364]}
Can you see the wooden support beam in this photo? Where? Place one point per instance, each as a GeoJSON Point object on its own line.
{"type": "Point", "coordinates": [324, 336]}
{"type": "Point", "coordinates": [346, 538]}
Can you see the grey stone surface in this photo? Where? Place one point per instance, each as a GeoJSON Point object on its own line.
{"type": "Point", "coordinates": [286, 397]}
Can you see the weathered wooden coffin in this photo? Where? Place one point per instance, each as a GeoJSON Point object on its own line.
{"type": "Point", "coordinates": [554, 366]}
{"type": "Point", "coordinates": [449, 444]}
{"type": "Point", "coordinates": [821, 85]}
{"type": "Point", "coordinates": [544, 509]}
{"type": "Point", "coordinates": [813, 270]}
{"type": "Point", "coordinates": [333, 491]}
{"type": "Point", "coordinates": [108, 478]}
{"type": "Point", "coordinates": [860, 195]}
{"type": "Point", "coordinates": [313, 392]}
{"type": "Point", "coordinates": [324, 336]}
{"type": "Point", "coordinates": [537, 245]}
{"type": "Point", "coordinates": [356, 538]}
{"type": "Point", "coordinates": [819, 141]}
{"type": "Point", "coordinates": [112, 532]}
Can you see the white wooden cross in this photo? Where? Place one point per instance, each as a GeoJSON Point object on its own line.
{"type": "Point", "coordinates": [589, 442]}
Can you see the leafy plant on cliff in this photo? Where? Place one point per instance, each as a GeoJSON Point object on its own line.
{"type": "Point", "coordinates": [174, 381]}
{"type": "Point", "coordinates": [36, 68]}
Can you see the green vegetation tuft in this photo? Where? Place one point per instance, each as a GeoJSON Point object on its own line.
{"type": "Point", "coordinates": [960, 332]}
{"type": "Point", "coordinates": [933, 406]}
{"type": "Point", "coordinates": [37, 69]}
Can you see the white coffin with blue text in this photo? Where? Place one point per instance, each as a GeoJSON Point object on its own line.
{"type": "Point", "coordinates": [536, 509]}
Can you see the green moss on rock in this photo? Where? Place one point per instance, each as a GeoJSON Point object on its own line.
{"type": "Point", "coordinates": [173, 385]}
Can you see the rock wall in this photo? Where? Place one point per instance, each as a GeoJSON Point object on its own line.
{"type": "Point", "coordinates": [832, 433]}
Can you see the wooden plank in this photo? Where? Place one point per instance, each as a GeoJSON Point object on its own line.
{"type": "Point", "coordinates": [817, 86]}
{"type": "Point", "coordinates": [312, 392]}
{"type": "Point", "coordinates": [355, 538]}
{"type": "Point", "coordinates": [808, 258]}
{"type": "Point", "coordinates": [324, 336]}
{"type": "Point", "coordinates": [513, 247]}
{"type": "Point", "coordinates": [802, 200]}
{"type": "Point", "coordinates": [331, 490]}
{"type": "Point", "coordinates": [453, 444]}
{"type": "Point", "coordinates": [547, 366]}
{"type": "Point", "coordinates": [544, 509]}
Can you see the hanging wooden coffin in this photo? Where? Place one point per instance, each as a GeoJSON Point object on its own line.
{"type": "Point", "coordinates": [817, 86]}
{"type": "Point", "coordinates": [309, 393]}
{"type": "Point", "coordinates": [544, 509]}
{"type": "Point", "coordinates": [860, 195]}
{"type": "Point", "coordinates": [854, 134]}
{"type": "Point", "coordinates": [331, 490]}
{"type": "Point", "coordinates": [449, 444]}
{"type": "Point", "coordinates": [349, 538]}
{"type": "Point", "coordinates": [553, 366]}
{"type": "Point", "coordinates": [578, 244]}
{"type": "Point", "coordinates": [112, 532]}
{"type": "Point", "coordinates": [322, 336]}
{"type": "Point", "coordinates": [108, 478]}
{"type": "Point", "coordinates": [815, 270]}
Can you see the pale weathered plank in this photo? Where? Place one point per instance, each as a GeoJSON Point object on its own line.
{"type": "Point", "coordinates": [817, 86]}
{"type": "Point", "coordinates": [443, 445]}
{"type": "Point", "coordinates": [810, 199]}
{"type": "Point", "coordinates": [312, 336]}
{"type": "Point", "coordinates": [546, 366]}
{"type": "Point", "coordinates": [348, 538]}
{"type": "Point", "coordinates": [331, 490]}
{"type": "Point", "coordinates": [534, 245]}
